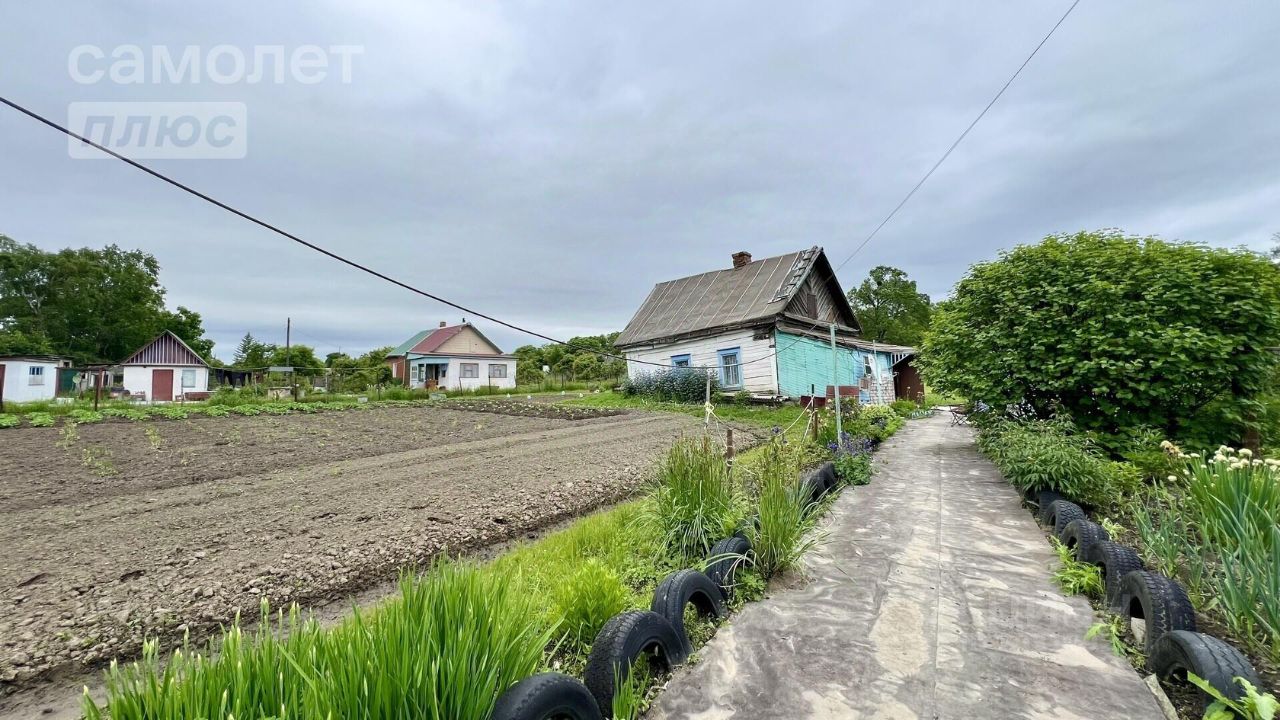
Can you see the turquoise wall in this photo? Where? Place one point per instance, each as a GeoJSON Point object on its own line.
{"type": "Point", "coordinates": [805, 362]}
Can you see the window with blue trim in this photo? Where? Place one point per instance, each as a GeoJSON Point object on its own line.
{"type": "Point", "coordinates": [680, 361]}
{"type": "Point", "coordinates": [730, 368]}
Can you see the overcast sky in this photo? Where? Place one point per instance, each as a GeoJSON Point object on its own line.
{"type": "Point", "coordinates": [549, 162]}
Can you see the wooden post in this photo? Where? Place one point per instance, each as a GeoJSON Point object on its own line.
{"type": "Point", "coordinates": [97, 390]}
{"type": "Point", "coordinates": [706, 412]}
{"type": "Point", "coordinates": [728, 445]}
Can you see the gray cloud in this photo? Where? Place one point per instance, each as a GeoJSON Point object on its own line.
{"type": "Point", "coordinates": [549, 164]}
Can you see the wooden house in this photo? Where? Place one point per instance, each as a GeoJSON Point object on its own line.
{"type": "Point", "coordinates": [452, 357]}
{"type": "Point", "coordinates": [165, 369]}
{"type": "Point", "coordinates": [763, 327]}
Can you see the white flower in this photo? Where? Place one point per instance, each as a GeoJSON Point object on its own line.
{"type": "Point", "coordinates": [1165, 444]}
{"type": "Point", "coordinates": [1173, 478]}
{"type": "Point", "coordinates": [1246, 452]}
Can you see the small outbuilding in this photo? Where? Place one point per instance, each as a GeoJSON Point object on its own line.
{"type": "Point", "coordinates": [165, 369]}
{"type": "Point", "coordinates": [28, 378]}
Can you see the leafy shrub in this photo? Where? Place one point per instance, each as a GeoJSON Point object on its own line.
{"type": "Point", "coordinates": [40, 419]}
{"type": "Point", "coordinates": [444, 649]}
{"type": "Point", "coordinates": [1255, 705]}
{"type": "Point", "coordinates": [787, 515]}
{"type": "Point", "coordinates": [172, 412]}
{"type": "Point", "coordinates": [585, 601]}
{"type": "Point", "coordinates": [1117, 331]}
{"type": "Point", "coordinates": [686, 385]}
{"type": "Point", "coordinates": [696, 501]}
{"type": "Point", "coordinates": [904, 408]}
{"type": "Point", "coordinates": [1049, 455]}
{"type": "Point", "coordinates": [247, 410]}
{"type": "Point", "coordinates": [8, 420]}
{"type": "Point", "coordinates": [216, 410]}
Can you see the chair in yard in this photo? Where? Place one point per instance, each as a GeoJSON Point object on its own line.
{"type": "Point", "coordinates": [959, 416]}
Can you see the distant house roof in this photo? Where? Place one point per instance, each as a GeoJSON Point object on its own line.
{"type": "Point", "coordinates": [752, 294]}
{"type": "Point", "coordinates": [166, 349]}
{"type": "Point", "coordinates": [429, 341]}
{"type": "Point", "coordinates": [35, 358]}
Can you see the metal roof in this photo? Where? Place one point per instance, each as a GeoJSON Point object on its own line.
{"type": "Point", "coordinates": [428, 341]}
{"type": "Point", "coordinates": [758, 291]}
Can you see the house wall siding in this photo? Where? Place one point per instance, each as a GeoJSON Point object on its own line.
{"type": "Point", "coordinates": [757, 377]}
{"type": "Point", "coordinates": [17, 381]}
{"type": "Point", "coordinates": [805, 363]}
{"type": "Point", "coordinates": [137, 378]}
{"type": "Point", "coordinates": [467, 341]}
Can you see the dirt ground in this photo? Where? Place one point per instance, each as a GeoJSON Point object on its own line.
{"type": "Point", "coordinates": [116, 531]}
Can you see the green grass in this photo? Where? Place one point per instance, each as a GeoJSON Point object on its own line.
{"type": "Point", "coordinates": [786, 511]}
{"type": "Point", "coordinates": [1073, 576]}
{"type": "Point", "coordinates": [764, 416]}
{"type": "Point", "coordinates": [696, 500]}
{"type": "Point", "coordinates": [444, 649]}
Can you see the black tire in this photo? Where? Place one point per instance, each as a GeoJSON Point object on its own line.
{"type": "Point", "coordinates": [1080, 535]}
{"type": "Point", "coordinates": [546, 696]}
{"type": "Point", "coordinates": [726, 557]}
{"type": "Point", "coordinates": [677, 591]}
{"type": "Point", "coordinates": [620, 643]}
{"type": "Point", "coordinates": [1159, 602]}
{"type": "Point", "coordinates": [815, 486]}
{"type": "Point", "coordinates": [1044, 499]}
{"type": "Point", "coordinates": [1062, 513]}
{"type": "Point", "coordinates": [1116, 561]}
{"type": "Point", "coordinates": [827, 471]}
{"type": "Point", "coordinates": [1181, 651]}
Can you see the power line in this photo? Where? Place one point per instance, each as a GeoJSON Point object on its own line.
{"type": "Point", "coordinates": [382, 276]}
{"type": "Point", "coordinates": [935, 167]}
{"type": "Point", "coordinates": [312, 246]}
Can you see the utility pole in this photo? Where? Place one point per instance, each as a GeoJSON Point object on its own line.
{"type": "Point", "coordinates": [835, 380]}
{"type": "Point", "coordinates": [288, 329]}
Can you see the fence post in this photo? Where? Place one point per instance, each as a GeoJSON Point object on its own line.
{"type": "Point", "coordinates": [728, 446]}
{"type": "Point", "coordinates": [706, 414]}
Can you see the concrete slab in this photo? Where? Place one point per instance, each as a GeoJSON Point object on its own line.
{"type": "Point", "coordinates": [932, 598]}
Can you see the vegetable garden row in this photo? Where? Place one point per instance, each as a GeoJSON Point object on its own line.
{"type": "Point", "coordinates": [616, 599]}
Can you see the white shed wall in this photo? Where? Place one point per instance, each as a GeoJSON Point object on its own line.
{"type": "Point", "coordinates": [137, 378]}
{"type": "Point", "coordinates": [456, 381]}
{"type": "Point", "coordinates": [760, 376]}
{"type": "Point", "coordinates": [17, 381]}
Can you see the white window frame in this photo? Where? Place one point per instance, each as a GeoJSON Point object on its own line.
{"type": "Point", "coordinates": [470, 371]}
{"type": "Point", "coordinates": [498, 371]}
{"type": "Point", "coordinates": [35, 375]}
{"type": "Point", "coordinates": [186, 384]}
{"type": "Point", "coordinates": [726, 368]}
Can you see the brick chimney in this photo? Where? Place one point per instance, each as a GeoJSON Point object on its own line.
{"type": "Point", "coordinates": [444, 323]}
{"type": "Point", "coordinates": [740, 258]}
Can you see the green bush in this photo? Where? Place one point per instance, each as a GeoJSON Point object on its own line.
{"type": "Point", "coordinates": [134, 414]}
{"type": "Point", "coordinates": [1116, 331]}
{"type": "Point", "coordinates": [853, 469]}
{"type": "Point", "coordinates": [583, 602]}
{"type": "Point", "coordinates": [904, 408]}
{"type": "Point", "coordinates": [696, 501]}
{"type": "Point", "coordinates": [8, 420]}
{"type": "Point", "coordinates": [686, 385]}
{"type": "Point", "coordinates": [84, 417]}
{"type": "Point", "coordinates": [443, 650]}
{"type": "Point", "coordinates": [40, 419]}
{"type": "Point", "coordinates": [1050, 455]}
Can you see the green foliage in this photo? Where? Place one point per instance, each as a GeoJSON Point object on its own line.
{"type": "Point", "coordinates": [40, 419]}
{"type": "Point", "coordinates": [766, 416]}
{"type": "Point", "coordinates": [85, 416]}
{"type": "Point", "coordinates": [134, 414]}
{"type": "Point", "coordinates": [853, 469]}
{"type": "Point", "coordinates": [1050, 455]}
{"type": "Point", "coordinates": [91, 305]}
{"type": "Point", "coordinates": [629, 692]}
{"type": "Point", "coordinates": [584, 358]}
{"type": "Point", "coordinates": [905, 408]}
{"type": "Point", "coordinates": [1113, 628]}
{"type": "Point", "coordinates": [1117, 331]}
{"type": "Point", "coordinates": [16, 342]}
{"type": "Point", "coordinates": [444, 649]}
{"type": "Point", "coordinates": [9, 420]}
{"type": "Point", "coordinates": [1254, 706]}
{"type": "Point", "coordinates": [685, 385]}
{"type": "Point", "coordinates": [1073, 576]}
{"type": "Point", "coordinates": [696, 501]}
{"type": "Point", "coordinates": [787, 513]}
{"type": "Point", "coordinates": [889, 308]}
{"type": "Point", "coordinates": [585, 600]}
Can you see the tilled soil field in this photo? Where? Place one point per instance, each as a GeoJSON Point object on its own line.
{"type": "Point", "coordinates": [118, 531]}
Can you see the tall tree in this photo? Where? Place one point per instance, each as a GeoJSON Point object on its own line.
{"type": "Point", "coordinates": [889, 307]}
{"type": "Point", "coordinates": [93, 305]}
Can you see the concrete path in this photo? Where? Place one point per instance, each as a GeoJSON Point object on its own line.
{"type": "Point", "coordinates": [932, 598]}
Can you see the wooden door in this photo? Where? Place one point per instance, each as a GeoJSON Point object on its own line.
{"type": "Point", "coordinates": [161, 384]}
